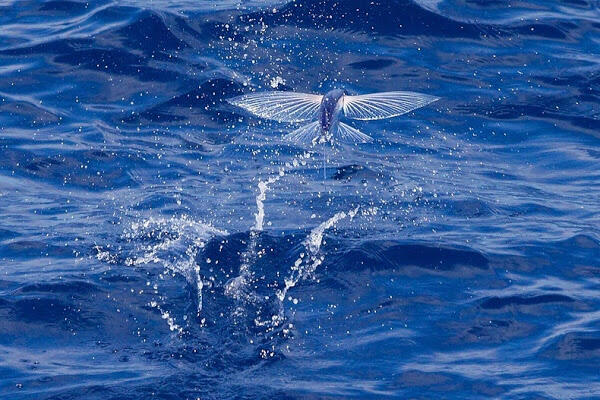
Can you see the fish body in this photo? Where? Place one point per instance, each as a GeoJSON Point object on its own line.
{"type": "Point", "coordinates": [330, 110]}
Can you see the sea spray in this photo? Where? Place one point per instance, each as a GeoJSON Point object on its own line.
{"type": "Point", "coordinates": [176, 244]}
{"type": "Point", "coordinates": [306, 264]}
{"type": "Point", "coordinates": [237, 287]}
{"type": "Point", "coordinates": [263, 186]}
{"type": "Point", "coordinates": [173, 326]}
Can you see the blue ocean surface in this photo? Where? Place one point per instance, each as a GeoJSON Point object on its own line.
{"type": "Point", "coordinates": [157, 242]}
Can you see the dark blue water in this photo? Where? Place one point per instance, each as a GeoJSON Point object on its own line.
{"type": "Point", "coordinates": [457, 256]}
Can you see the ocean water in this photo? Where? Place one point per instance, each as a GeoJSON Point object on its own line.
{"type": "Point", "coordinates": [158, 243]}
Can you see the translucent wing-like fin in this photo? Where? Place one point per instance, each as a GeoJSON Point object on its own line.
{"type": "Point", "coordinates": [384, 105]}
{"type": "Point", "coordinates": [280, 106]}
{"type": "Point", "coordinates": [308, 134]}
{"type": "Point", "coordinates": [346, 133]}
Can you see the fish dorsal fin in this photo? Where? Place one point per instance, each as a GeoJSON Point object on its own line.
{"type": "Point", "coordinates": [384, 105]}
{"type": "Point", "coordinates": [280, 106]}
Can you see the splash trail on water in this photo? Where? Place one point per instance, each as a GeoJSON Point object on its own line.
{"type": "Point", "coordinates": [263, 186]}
{"type": "Point", "coordinates": [477, 278]}
{"type": "Point", "coordinates": [179, 240]}
{"type": "Point", "coordinates": [237, 287]}
{"type": "Point", "coordinates": [307, 263]}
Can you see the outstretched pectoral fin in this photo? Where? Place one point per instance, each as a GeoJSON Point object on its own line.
{"type": "Point", "coordinates": [374, 106]}
{"type": "Point", "coordinates": [306, 135]}
{"type": "Point", "coordinates": [346, 133]}
{"type": "Point", "coordinates": [280, 106]}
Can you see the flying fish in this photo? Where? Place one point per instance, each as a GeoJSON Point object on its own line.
{"type": "Point", "coordinates": [322, 113]}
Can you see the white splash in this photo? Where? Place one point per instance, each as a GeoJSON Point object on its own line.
{"type": "Point", "coordinates": [173, 326]}
{"type": "Point", "coordinates": [177, 243]}
{"type": "Point", "coordinates": [307, 264]}
{"type": "Point", "coordinates": [236, 287]}
{"type": "Point", "coordinates": [263, 186]}
{"type": "Point", "coordinates": [276, 82]}
{"type": "Point", "coordinates": [104, 255]}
